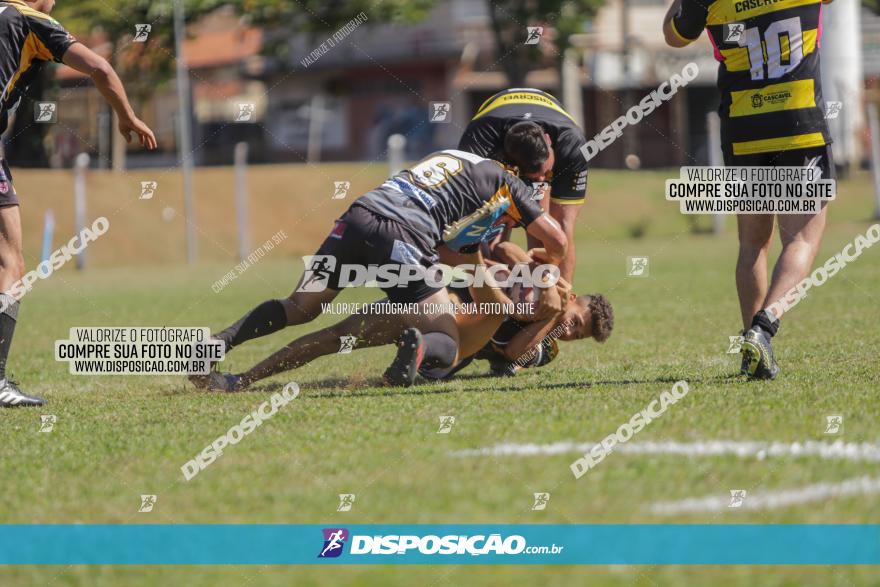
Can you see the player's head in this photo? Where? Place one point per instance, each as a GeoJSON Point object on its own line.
{"type": "Point", "coordinates": [44, 6]}
{"type": "Point", "coordinates": [588, 316]}
{"type": "Point", "coordinates": [528, 147]}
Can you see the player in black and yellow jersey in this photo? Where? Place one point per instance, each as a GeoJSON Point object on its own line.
{"type": "Point", "coordinates": [28, 38]}
{"type": "Point", "coordinates": [530, 129]}
{"type": "Point", "coordinates": [772, 114]}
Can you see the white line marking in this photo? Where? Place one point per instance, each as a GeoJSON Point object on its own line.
{"type": "Point", "coordinates": [848, 451]}
{"type": "Point", "coordinates": [772, 499]}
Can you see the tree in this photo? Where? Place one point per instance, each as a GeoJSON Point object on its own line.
{"type": "Point", "coordinates": [143, 65]}
{"type": "Point", "coordinates": [510, 19]}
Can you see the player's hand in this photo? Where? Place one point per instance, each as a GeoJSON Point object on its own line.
{"type": "Point", "coordinates": [136, 126]}
{"type": "Point", "coordinates": [549, 304]}
{"type": "Point", "coordinates": [538, 255]}
{"type": "Point", "coordinates": [564, 289]}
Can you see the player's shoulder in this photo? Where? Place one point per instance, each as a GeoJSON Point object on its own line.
{"type": "Point", "coordinates": [569, 142]}
{"type": "Point", "coordinates": [483, 164]}
{"type": "Point", "coordinates": [28, 12]}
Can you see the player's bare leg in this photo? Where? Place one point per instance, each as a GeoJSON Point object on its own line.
{"type": "Point", "coordinates": [801, 236]}
{"type": "Point", "coordinates": [755, 235]}
{"type": "Point", "coordinates": [268, 318]}
{"type": "Point", "coordinates": [431, 340]}
{"type": "Point", "coordinates": [475, 330]}
{"type": "Point", "coordinates": [11, 271]}
{"type": "Point", "coordinates": [369, 329]}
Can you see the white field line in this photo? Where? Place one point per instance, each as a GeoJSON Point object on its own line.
{"type": "Point", "coordinates": [838, 450]}
{"type": "Point", "coordinates": [771, 499]}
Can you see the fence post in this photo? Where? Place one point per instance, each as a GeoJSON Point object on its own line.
{"type": "Point", "coordinates": [241, 200]}
{"type": "Point", "coordinates": [79, 201]}
{"type": "Point", "coordinates": [396, 148]}
{"type": "Point", "coordinates": [874, 127]}
{"type": "Point", "coordinates": [716, 159]}
{"type": "Point", "coordinates": [48, 234]}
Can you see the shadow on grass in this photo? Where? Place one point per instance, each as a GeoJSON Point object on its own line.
{"type": "Point", "coordinates": [355, 387]}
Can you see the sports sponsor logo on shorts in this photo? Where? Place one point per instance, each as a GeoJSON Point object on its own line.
{"type": "Point", "coordinates": [338, 230]}
{"type": "Point", "coordinates": [5, 184]}
{"type": "Point", "coordinates": [406, 253]}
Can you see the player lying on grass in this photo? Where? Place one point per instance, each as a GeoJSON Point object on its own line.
{"type": "Point", "coordinates": [511, 343]}
{"type": "Point", "coordinates": [452, 199]}
{"type": "Point", "coordinates": [28, 39]}
{"type": "Point", "coordinates": [375, 326]}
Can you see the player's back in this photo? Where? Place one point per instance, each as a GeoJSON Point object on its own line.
{"type": "Point", "coordinates": [484, 135]}
{"type": "Point", "coordinates": [447, 186]}
{"type": "Point", "coordinates": [769, 76]}
{"type": "Point", "coordinates": [27, 37]}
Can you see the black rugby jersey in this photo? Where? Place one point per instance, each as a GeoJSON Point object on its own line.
{"type": "Point", "coordinates": [27, 39]}
{"type": "Point", "coordinates": [771, 96]}
{"type": "Point", "coordinates": [445, 187]}
{"type": "Point", "coordinates": [484, 136]}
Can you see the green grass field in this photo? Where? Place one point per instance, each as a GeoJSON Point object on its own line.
{"type": "Point", "coordinates": [119, 437]}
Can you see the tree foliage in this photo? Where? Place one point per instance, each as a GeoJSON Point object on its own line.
{"type": "Point", "coordinates": [510, 19]}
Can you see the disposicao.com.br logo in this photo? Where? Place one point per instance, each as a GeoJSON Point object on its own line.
{"type": "Point", "coordinates": [335, 539]}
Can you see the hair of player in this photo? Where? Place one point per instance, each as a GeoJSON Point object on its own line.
{"type": "Point", "coordinates": [602, 316]}
{"type": "Point", "coordinates": [525, 145]}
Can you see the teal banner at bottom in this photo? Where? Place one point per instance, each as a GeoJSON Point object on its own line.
{"type": "Point", "coordinates": [491, 544]}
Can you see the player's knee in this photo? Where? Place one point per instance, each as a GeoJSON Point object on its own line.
{"type": "Point", "coordinates": [12, 265]}
{"type": "Point", "coordinates": [440, 350]}
{"type": "Point", "coordinates": [297, 312]}
{"type": "Point", "coordinates": [753, 248]}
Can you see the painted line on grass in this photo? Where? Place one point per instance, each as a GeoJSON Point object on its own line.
{"type": "Point", "coordinates": [838, 450]}
{"type": "Point", "coordinates": [771, 499]}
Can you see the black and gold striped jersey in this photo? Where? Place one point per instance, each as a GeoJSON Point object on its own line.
{"type": "Point", "coordinates": [484, 136]}
{"type": "Point", "coordinates": [771, 95]}
{"type": "Point", "coordinates": [27, 39]}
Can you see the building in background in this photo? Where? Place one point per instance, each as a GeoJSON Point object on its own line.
{"type": "Point", "coordinates": [381, 79]}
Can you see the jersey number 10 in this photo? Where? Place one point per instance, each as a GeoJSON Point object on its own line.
{"type": "Point", "coordinates": [788, 29]}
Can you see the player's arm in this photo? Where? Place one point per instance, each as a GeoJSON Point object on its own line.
{"type": "Point", "coordinates": [568, 190]}
{"type": "Point", "coordinates": [490, 295]}
{"type": "Point", "coordinates": [511, 254]}
{"type": "Point", "coordinates": [685, 21]}
{"type": "Point", "coordinates": [567, 215]}
{"type": "Point", "coordinates": [528, 338]}
{"type": "Point", "coordinates": [542, 227]}
{"type": "Point", "coordinates": [549, 232]}
{"type": "Point", "coordinates": [86, 61]}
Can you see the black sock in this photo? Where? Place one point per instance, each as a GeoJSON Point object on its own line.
{"type": "Point", "coordinates": [265, 319]}
{"type": "Point", "coordinates": [8, 318]}
{"type": "Point", "coordinates": [763, 320]}
{"type": "Point", "coordinates": [440, 349]}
